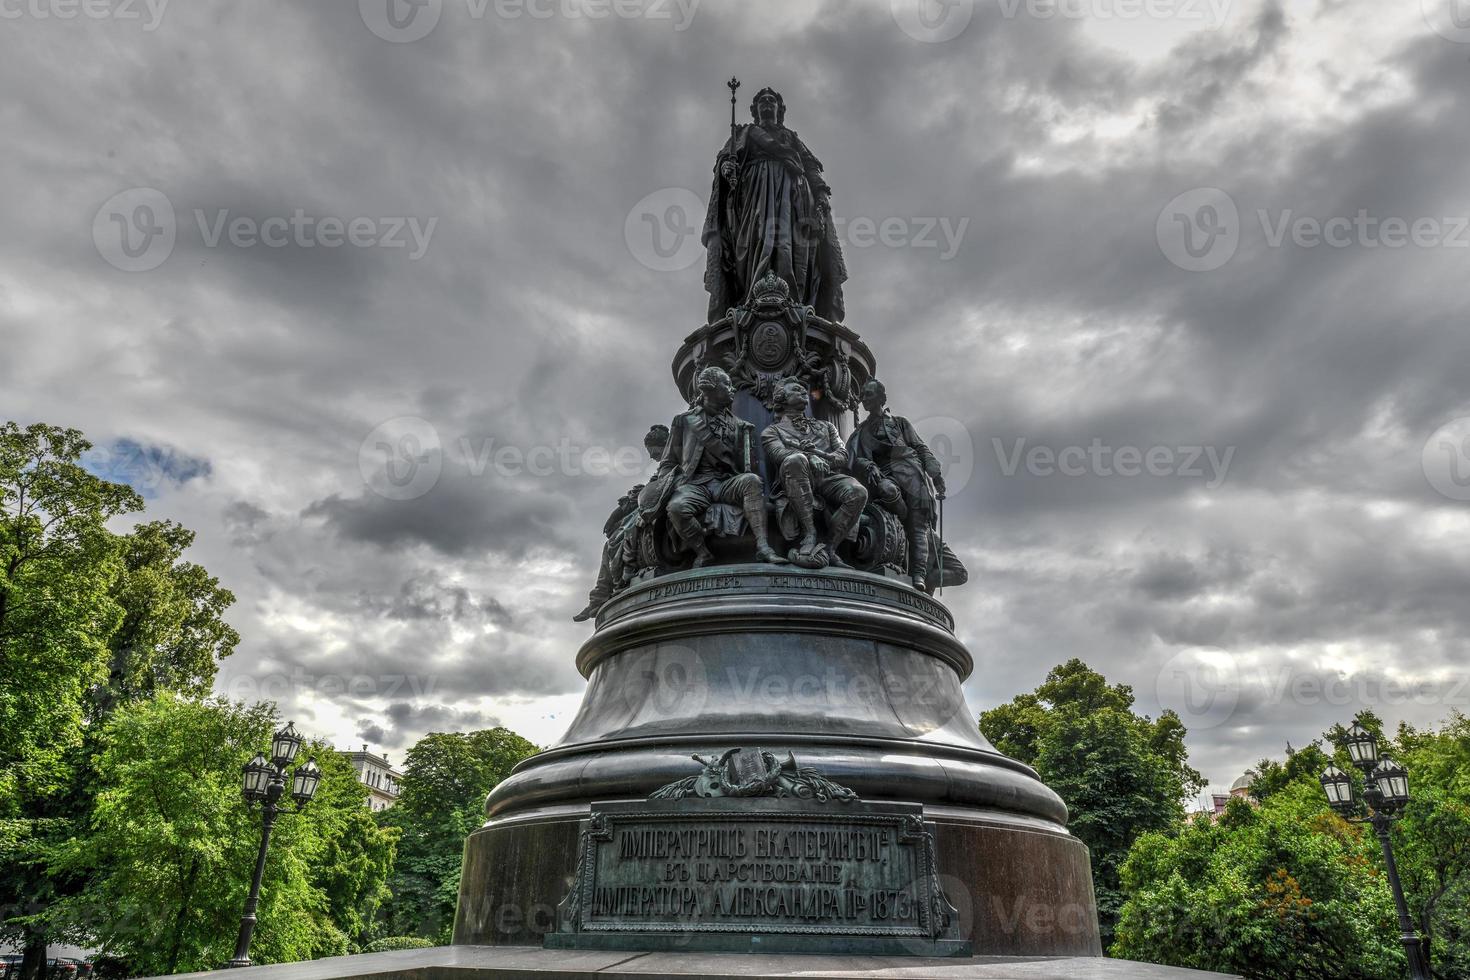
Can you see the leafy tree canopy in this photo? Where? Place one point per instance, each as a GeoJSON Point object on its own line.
{"type": "Point", "coordinates": [1121, 774]}
{"type": "Point", "coordinates": [90, 619]}
{"type": "Point", "coordinates": [171, 845]}
{"type": "Point", "coordinates": [1283, 888]}
{"type": "Point", "coordinates": [446, 779]}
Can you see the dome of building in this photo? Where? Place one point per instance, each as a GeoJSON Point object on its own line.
{"type": "Point", "coordinates": [1242, 783]}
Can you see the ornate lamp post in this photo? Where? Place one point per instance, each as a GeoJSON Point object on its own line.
{"type": "Point", "coordinates": [1385, 793]}
{"type": "Point", "coordinates": [265, 784]}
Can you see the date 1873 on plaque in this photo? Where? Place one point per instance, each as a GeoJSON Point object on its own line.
{"type": "Point", "coordinates": [758, 874]}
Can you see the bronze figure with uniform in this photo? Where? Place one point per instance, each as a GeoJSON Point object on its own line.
{"type": "Point", "coordinates": [905, 477]}
{"type": "Point", "coordinates": [618, 530]}
{"type": "Point", "coordinates": [710, 459]}
{"type": "Point", "coordinates": [808, 463]}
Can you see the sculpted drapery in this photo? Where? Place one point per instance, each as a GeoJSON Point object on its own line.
{"type": "Point", "coordinates": [768, 210]}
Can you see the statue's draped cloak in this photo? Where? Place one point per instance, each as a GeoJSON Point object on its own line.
{"type": "Point", "coordinates": [771, 220]}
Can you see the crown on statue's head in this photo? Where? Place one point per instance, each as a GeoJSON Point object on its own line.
{"type": "Point", "coordinates": [771, 290]}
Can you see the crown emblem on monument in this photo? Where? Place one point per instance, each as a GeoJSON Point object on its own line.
{"type": "Point", "coordinates": [771, 290]}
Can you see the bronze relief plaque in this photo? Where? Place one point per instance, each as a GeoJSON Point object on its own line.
{"type": "Point", "coordinates": [757, 873]}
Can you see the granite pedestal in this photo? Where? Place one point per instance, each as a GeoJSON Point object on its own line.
{"type": "Point", "coordinates": [852, 673]}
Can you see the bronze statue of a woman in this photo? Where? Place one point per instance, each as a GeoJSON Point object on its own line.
{"type": "Point", "coordinates": [769, 211]}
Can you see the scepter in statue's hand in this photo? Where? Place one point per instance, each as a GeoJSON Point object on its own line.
{"type": "Point", "coordinates": [727, 169]}
{"type": "Point", "coordinates": [733, 83]}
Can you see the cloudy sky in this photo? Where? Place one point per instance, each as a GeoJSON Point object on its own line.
{"type": "Point", "coordinates": [1177, 286]}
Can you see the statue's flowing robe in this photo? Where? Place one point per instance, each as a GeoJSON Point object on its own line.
{"type": "Point", "coordinates": [770, 220]}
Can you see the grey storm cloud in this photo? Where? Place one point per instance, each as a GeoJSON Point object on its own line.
{"type": "Point", "coordinates": [404, 723]}
{"type": "Point", "coordinates": [1051, 317]}
{"type": "Point", "coordinates": [456, 518]}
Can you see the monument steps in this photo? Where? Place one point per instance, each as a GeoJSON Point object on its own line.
{"type": "Point", "coordinates": [535, 963]}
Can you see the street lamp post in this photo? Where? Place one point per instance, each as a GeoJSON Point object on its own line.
{"type": "Point", "coordinates": [1385, 793]}
{"type": "Point", "coordinates": [265, 784]}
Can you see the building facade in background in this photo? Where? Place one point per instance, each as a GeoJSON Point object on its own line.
{"type": "Point", "coordinates": [378, 776]}
{"type": "Point", "coordinates": [1240, 788]}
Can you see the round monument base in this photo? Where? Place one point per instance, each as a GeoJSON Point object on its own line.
{"type": "Point", "coordinates": [852, 674]}
{"type": "Point", "coordinates": [1020, 891]}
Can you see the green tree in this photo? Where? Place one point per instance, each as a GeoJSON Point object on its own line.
{"type": "Point", "coordinates": [1432, 841]}
{"type": "Point", "coordinates": [171, 637]}
{"type": "Point", "coordinates": [1290, 890]}
{"type": "Point", "coordinates": [173, 634]}
{"type": "Point", "coordinates": [1301, 765]}
{"type": "Point", "coordinates": [445, 781]}
{"type": "Point", "coordinates": [97, 630]}
{"type": "Point", "coordinates": [58, 567]}
{"type": "Point", "coordinates": [356, 853]}
{"type": "Point", "coordinates": [1120, 774]}
{"type": "Point", "coordinates": [171, 845]}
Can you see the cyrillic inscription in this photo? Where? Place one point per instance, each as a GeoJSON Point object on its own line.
{"type": "Point", "coordinates": [767, 866]}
